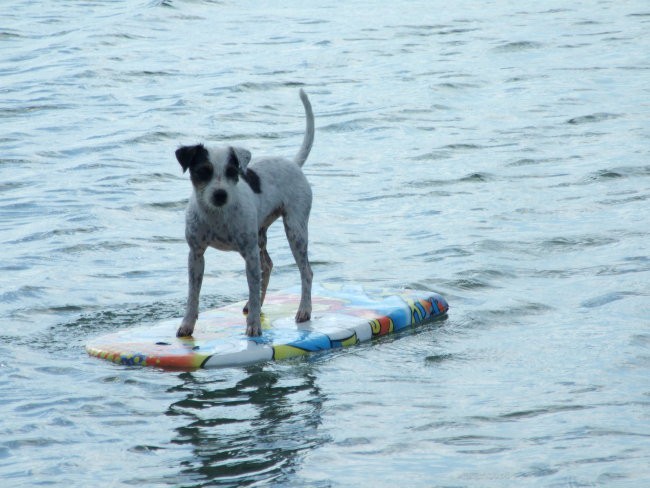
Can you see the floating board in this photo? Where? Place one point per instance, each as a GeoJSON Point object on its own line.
{"type": "Point", "coordinates": [341, 316]}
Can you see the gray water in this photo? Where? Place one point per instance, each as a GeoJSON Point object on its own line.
{"type": "Point", "coordinates": [495, 152]}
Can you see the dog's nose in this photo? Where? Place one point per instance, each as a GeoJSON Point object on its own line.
{"type": "Point", "coordinates": [219, 197]}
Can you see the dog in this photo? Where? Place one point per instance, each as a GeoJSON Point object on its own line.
{"type": "Point", "coordinates": [233, 203]}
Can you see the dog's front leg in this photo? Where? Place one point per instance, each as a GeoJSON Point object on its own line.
{"type": "Point", "coordinates": [253, 275]}
{"type": "Point", "coordinates": [195, 268]}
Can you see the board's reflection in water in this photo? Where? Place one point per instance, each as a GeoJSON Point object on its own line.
{"type": "Point", "coordinates": [247, 425]}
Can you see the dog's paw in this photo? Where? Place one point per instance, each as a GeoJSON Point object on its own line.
{"type": "Point", "coordinates": [254, 330]}
{"type": "Point", "coordinates": [185, 330]}
{"type": "Point", "coordinates": [303, 315]}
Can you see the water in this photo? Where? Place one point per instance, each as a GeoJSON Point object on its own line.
{"type": "Point", "coordinates": [495, 152]}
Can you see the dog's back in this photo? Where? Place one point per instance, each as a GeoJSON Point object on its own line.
{"type": "Point", "coordinates": [284, 187]}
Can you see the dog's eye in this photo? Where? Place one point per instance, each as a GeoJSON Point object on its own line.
{"type": "Point", "coordinates": [203, 173]}
{"type": "Point", "coordinates": [232, 172]}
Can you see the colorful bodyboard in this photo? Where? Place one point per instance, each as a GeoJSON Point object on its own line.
{"type": "Point", "coordinates": [341, 316]}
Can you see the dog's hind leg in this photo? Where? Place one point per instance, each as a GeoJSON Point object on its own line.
{"type": "Point", "coordinates": [297, 237]}
{"type": "Point", "coordinates": [265, 262]}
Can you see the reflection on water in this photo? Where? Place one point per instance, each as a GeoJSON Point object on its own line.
{"type": "Point", "coordinates": [256, 428]}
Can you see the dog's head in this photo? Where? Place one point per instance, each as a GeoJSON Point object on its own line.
{"type": "Point", "coordinates": [215, 173]}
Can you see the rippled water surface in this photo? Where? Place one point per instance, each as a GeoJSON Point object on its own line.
{"type": "Point", "coordinates": [495, 152]}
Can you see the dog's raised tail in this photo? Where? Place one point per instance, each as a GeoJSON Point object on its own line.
{"type": "Point", "coordinates": [307, 142]}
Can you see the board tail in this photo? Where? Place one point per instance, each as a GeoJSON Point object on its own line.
{"type": "Point", "coordinates": [307, 142]}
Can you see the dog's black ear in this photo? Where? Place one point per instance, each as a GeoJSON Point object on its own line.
{"type": "Point", "coordinates": [239, 157]}
{"type": "Point", "coordinates": [187, 155]}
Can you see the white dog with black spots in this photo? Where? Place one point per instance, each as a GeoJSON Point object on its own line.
{"type": "Point", "coordinates": [233, 203]}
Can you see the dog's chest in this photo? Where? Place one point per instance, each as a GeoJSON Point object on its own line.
{"type": "Point", "coordinates": [202, 233]}
{"type": "Point", "coordinates": [227, 230]}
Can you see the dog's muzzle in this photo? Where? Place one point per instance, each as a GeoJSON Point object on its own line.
{"type": "Point", "coordinates": [219, 198]}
